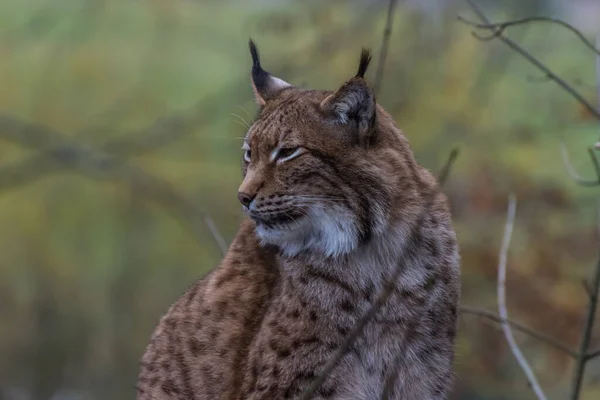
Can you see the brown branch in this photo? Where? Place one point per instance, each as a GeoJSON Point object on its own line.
{"type": "Point", "coordinates": [538, 64]}
{"type": "Point", "coordinates": [385, 43]}
{"type": "Point", "coordinates": [541, 336]}
{"type": "Point", "coordinates": [387, 289]}
{"type": "Point", "coordinates": [499, 27]}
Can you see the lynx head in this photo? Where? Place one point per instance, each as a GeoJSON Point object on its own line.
{"type": "Point", "coordinates": [323, 171]}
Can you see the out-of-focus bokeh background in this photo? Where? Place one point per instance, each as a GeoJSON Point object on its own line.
{"type": "Point", "coordinates": [120, 132]}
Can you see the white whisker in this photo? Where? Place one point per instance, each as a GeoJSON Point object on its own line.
{"type": "Point", "coordinates": [241, 119]}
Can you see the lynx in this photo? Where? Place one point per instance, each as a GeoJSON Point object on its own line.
{"type": "Point", "coordinates": [335, 204]}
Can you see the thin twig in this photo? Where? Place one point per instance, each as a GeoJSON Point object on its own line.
{"type": "Point", "coordinates": [586, 287]}
{"type": "Point", "coordinates": [587, 335]}
{"type": "Point", "coordinates": [387, 289]}
{"type": "Point", "coordinates": [592, 354]}
{"type": "Point", "coordinates": [595, 162]}
{"type": "Point", "coordinates": [571, 170]}
{"type": "Point", "coordinates": [499, 27]}
{"type": "Point", "coordinates": [502, 309]}
{"type": "Point", "coordinates": [592, 305]}
{"type": "Point", "coordinates": [524, 53]}
{"type": "Point", "coordinates": [541, 336]}
{"type": "Point", "coordinates": [385, 43]}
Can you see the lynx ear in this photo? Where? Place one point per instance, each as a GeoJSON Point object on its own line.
{"type": "Point", "coordinates": [264, 85]}
{"type": "Point", "coordinates": [354, 101]}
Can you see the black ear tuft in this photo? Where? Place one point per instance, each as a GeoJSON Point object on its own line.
{"type": "Point", "coordinates": [365, 59]}
{"type": "Point", "coordinates": [260, 77]}
{"type": "Point", "coordinates": [254, 53]}
{"type": "Point", "coordinates": [264, 84]}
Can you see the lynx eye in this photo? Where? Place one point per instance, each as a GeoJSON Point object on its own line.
{"type": "Point", "coordinates": [287, 153]}
{"type": "Point", "coordinates": [247, 155]}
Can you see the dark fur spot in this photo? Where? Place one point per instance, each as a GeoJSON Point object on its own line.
{"type": "Point", "coordinates": [196, 347]}
{"type": "Point", "coordinates": [283, 353]}
{"type": "Point", "coordinates": [342, 330]}
{"type": "Point", "coordinates": [347, 305]}
{"type": "Point", "coordinates": [368, 292]}
{"type": "Point", "coordinates": [446, 279]}
{"type": "Point", "coordinates": [326, 391]}
{"type": "Point", "coordinates": [295, 313]}
{"type": "Point", "coordinates": [171, 323]}
{"type": "Point", "coordinates": [273, 345]}
{"type": "Point", "coordinates": [291, 392]}
{"type": "Point", "coordinates": [330, 279]}
{"type": "Point", "coordinates": [430, 283]}
{"type": "Point", "coordinates": [168, 387]}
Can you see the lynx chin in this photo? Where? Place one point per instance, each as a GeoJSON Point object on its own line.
{"type": "Point", "coordinates": [332, 194]}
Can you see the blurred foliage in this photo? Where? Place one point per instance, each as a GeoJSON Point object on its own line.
{"type": "Point", "coordinates": [87, 266]}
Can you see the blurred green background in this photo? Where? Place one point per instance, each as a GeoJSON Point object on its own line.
{"type": "Point", "coordinates": [147, 102]}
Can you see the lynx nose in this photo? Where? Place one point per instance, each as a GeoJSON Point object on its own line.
{"type": "Point", "coordinates": [245, 198]}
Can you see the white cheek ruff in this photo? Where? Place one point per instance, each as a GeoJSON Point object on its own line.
{"type": "Point", "coordinates": [331, 233]}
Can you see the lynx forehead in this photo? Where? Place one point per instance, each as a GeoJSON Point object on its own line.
{"type": "Point", "coordinates": [332, 193]}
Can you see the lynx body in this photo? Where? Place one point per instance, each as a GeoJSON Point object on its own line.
{"type": "Point", "coordinates": [336, 204]}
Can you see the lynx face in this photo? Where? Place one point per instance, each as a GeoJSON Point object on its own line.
{"type": "Point", "coordinates": [315, 178]}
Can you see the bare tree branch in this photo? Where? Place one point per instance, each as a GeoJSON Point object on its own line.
{"type": "Point", "coordinates": [571, 169]}
{"type": "Point", "coordinates": [385, 43]}
{"type": "Point", "coordinates": [586, 286]}
{"type": "Point", "coordinates": [387, 289]}
{"type": "Point", "coordinates": [592, 354]}
{"type": "Point", "coordinates": [524, 53]}
{"type": "Point", "coordinates": [502, 310]}
{"type": "Point", "coordinates": [541, 336]}
{"type": "Point", "coordinates": [499, 27]}
{"type": "Point", "coordinates": [593, 300]}
{"type": "Point", "coordinates": [587, 336]}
